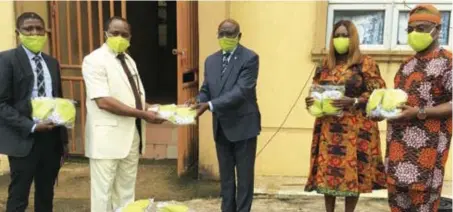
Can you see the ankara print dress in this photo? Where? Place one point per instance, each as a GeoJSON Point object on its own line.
{"type": "Point", "coordinates": [345, 153]}
{"type": "Point", "coordinates": [418, 149]}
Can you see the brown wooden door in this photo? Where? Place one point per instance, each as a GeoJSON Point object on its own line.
{"type": "Point", "coordinates": [76, 30]}
{"type": "Point", "coordinates": [187, 51]}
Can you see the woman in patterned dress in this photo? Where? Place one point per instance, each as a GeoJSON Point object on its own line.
{"type": "Point", "coordinates": [418, 141]}
{"type": "Point", "coordinates": [345, 154]}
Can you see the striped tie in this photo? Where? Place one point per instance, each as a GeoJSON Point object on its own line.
{"type": "Point", "coordinates": [225, 62]}
{"type": "Point", "coordinates": [40, 77]}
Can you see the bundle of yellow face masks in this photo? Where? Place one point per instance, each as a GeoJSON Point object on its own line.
{"type": "Point", "coordinates": [61, 112]}
{"type": "Point", "coordinates": [176, 114]}
{"type": "Point", "coordinates": [148, 205]}
{"type": "Point", "coordinates": [323, 95]}
{"type": "Point", "coordinates": [385, 103]}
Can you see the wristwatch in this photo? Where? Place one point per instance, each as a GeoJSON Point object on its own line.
{"type": "Point", "coordinates": [421, 114]}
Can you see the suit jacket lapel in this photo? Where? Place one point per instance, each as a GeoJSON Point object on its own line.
{"type": "Point", "coordinates": [116, 64]}
{"type": "Point", "coordinates": [25, 66]}
{"type": "Point", "coordinates": [217, 71]}
{"type": "Point", "coordinates": [230, 68]}
{"type": "Point", "coordinates": [123, 73]}
{"type": "Point", "coordinates": [137, 80]}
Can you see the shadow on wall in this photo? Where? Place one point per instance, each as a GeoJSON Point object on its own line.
{"type": "Point", "coordinates": [206, 172]}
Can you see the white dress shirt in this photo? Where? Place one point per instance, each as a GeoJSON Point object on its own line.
{"type": "Point", "coordinates": [211, 107]}
{"type": "Point", "coordinates": [47, 76]}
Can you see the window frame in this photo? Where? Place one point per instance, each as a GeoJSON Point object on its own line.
{"type": "Point", "coordinates": [401, 7]}
{"type": "Point", "coordinates": [365, 6]}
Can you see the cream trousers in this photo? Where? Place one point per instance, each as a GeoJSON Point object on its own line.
{"type": "Point", "coordinates": [113, 180]}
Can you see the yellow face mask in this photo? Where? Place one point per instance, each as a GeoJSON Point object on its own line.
{"type": "Point", "coordinates": [228, 44]}
{"type": "Point", "coordinates": [34, 43]}
{"type": "Point", "coordinates": [341, 45]}
{"type": "Point", "coordinates": [419, 41]}
{"type": "Point", "coordinates": [117, 43]}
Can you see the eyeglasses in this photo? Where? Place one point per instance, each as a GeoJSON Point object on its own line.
{"type": "Point", "coordinates": [420, 28]}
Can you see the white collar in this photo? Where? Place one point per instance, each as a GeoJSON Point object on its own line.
{"type": "Point", "coordinates": [232, 52]}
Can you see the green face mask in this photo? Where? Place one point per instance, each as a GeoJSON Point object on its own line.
{"type": "Point", "coordinates": [228, 44]}
{"type": "Point", "coordinates": [118, 44]}
{"type": "Point", "coordinates": [341, 45]}
{"type": "Point", "coordinates": [34, 43]}
{"type": "Point", "coordinates": [419, 41]}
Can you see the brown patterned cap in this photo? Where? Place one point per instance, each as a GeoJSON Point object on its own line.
{"type": "Point", "coordinates": [425, 12]}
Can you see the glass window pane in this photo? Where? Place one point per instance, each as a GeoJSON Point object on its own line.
{"type": "Point", "coordinates": [369, 23]}
{"type": "Point", "coordinates": [402, 26]}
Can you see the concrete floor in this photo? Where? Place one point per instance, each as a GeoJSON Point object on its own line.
{"type": "Point", "coordinates": [158, 180]}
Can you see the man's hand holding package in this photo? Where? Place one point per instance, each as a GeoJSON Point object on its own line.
{"type": "Point", "coordinates": [152, 117]}
{"type": "Point", "coordinates": [201, 108]}
{"type": "Point", "coordinates": [44, 127]}
{"type": "Point", "coordinates": [408, 113]}
{"type": "Point", "coordinates": [190, 102]}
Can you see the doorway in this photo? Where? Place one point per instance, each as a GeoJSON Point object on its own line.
{"type": "Point", "coordinates": [154, 36]}
{"type": "Point", "coordinates": [153, 39]}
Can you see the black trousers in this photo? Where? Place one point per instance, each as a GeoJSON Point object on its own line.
{"type": "Point", "coordinates": [239, 155]}
{"type": "Point", "coordinates": [41, 165]}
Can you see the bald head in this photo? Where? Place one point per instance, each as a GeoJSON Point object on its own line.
{"type": "Point", "coordinates": [229, 28]}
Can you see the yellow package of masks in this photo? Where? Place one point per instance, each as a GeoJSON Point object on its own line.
{"type": "Point", "coordinates": [64, 113]}
{"type": "Point", "coordinates": [316, 109]}
{"type": "Point", "coordinates": [174, 208]}
{"type": "Point", "coordinates": [330, 94]}
{"type": "Point", "coordinates": [176, 114]}
{"type": "Point", "coordinates": [375, 100]}
{"type": "Point", "coordinates": [59, 111]}
{"type": "Point", "coordinates": [323, 96]}
{"type": "Point", "coordinates": [393, 98]}
{"type": "Point", "coordinates": [385, 103]}
{"type": "Point", "coordinates": [149, 205]}
{"type": "Point", "coordinates": [42, 108]}
{"type": "Point", "coordinates": [143, 205]}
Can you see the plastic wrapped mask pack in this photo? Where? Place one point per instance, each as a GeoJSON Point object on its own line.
{"type": "Point", "coordinates": [148, 205]}
{"type": "Point", "coordinates": [386, 102]}
{"type": "Point", "coordinates": [176, 114]}
{"type": "Point", "coordinates": [61, 112]}
{"type": "Point", "coordinates": [42, 108]}
{"type": "Point", "coordinates": [316, 108]}
{"type": "Point", "coordinates": [393, 99]}
{"type": "Point", "coordinates": [375, 100]}
{"type": "Point", "coordinates": [323, 95]}
{"type": "Point", "coordinates": [327, 98]}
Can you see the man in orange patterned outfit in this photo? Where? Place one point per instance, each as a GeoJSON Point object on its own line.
{"type": "Point", "coordinates": [418, 140]}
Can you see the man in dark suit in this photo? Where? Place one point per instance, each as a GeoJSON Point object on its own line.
{"type": "Point", "coordinates": [229, 92]}
{"type": "Point", "coordinates": [34, 150]}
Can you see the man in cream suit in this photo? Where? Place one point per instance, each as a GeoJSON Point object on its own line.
{"type": "Point", "coordinates": [115, 133]}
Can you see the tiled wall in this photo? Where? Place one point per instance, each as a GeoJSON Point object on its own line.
{"type": "Point", "coordinates": [161, 142]}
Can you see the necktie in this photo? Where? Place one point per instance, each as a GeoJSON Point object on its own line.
{"type": "Point", "coordinates": [41, 84]}
{"type": "Point", "coordinates": [138, 102]}
{"type": "Point", "coordinates": [225, 62]}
